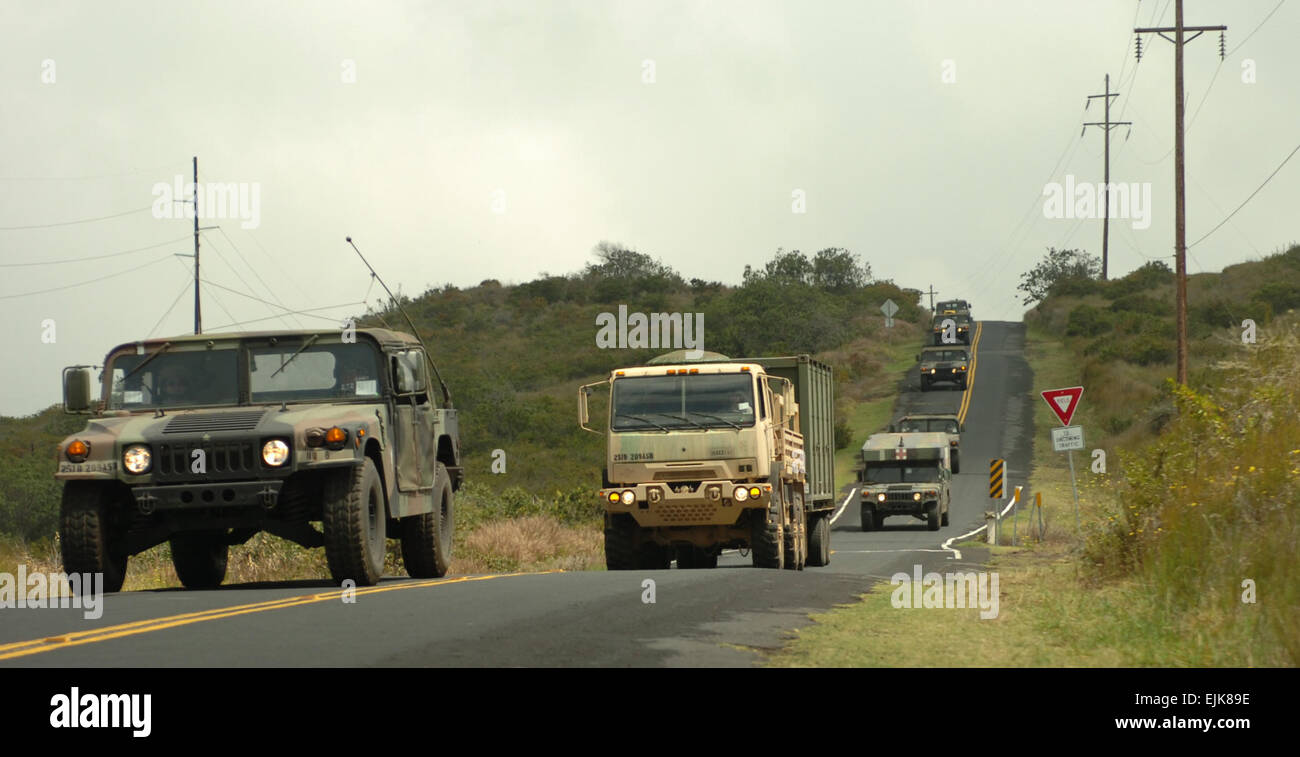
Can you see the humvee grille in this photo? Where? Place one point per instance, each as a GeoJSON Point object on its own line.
{"type": "Point", "coordinates": [898, 496]}
{"type": "Point", "coordinates": [224, 459]}
{"type": "Point", "coordinates": [241, 420]}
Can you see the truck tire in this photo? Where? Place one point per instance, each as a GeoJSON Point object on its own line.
{"type": "Point", "coordinates": [956, 461]}
{"type": "Point", "coordinates": [867, 515]}
{"type": "Point", "coordinates": [796, 536]}
{"type": "Point", "coordinates": [355, 525]}
{"type": "Point", "coordinates": [620, 543]}
{"type": "Point", "coordinates": [200, 558]}
{"type": "Point", "coordinates": [932, 517]}
{"type": "Point", "coordinates": [925, 385]}
{"type": "Point", "coordinates": [427, 538]}
{"type": "Point", "coordinates": [944, 520]}
{"type": "Point", "coordinates": [766, 541]}
{"type": "Point", "coordinates": [653, 556]}
{"type": "Point", "coordinates": [87, 533]}
{"type": "Point", "coordinates": [819, 540]}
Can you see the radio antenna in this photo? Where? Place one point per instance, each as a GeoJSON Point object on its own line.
{"type": "Point", "coordinates": [446, 394]}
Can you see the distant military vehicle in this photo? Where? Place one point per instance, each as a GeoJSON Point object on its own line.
{"type": "Point", "coordinates": [941, 423]}
{"type": "Point", "coordinates": [945, 364]}
{"type": "Point", "coordinates": [206, 440]}
{"type": "Point", "coordinates": [715, 453]}
{"type": "Point", "coordinates": [905, 474]}
{"type": "Point", "coordinates": [961, 331]}
{"type": "Point", "coordinates": [952, 307]}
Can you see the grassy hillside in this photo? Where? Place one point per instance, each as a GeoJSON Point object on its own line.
{"type": "Point", "coordinates": [513, 357]}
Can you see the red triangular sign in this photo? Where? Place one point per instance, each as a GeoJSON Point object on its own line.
{"type": "Point", "coordinates": [1063, 402]}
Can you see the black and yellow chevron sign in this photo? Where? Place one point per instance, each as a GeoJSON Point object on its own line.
{"type": "Point", "coordinates": [996, 466]}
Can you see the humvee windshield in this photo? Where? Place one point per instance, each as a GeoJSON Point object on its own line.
{"type": "Point", "coordinates": [923, 425]}
{"type": "Point", "coordinates": [691, 401]}
{"type": "Point", "coordinates": [196, 378]}
{"type": "Point", "coordinates": [944, 355]}
{"type": "Point", "coordinates": [902, 473]}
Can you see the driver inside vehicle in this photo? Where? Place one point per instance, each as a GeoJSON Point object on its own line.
{"type": "Point", "coordinates": [174, 385]}
{"type": "Point", "coordinates": [739, 403]}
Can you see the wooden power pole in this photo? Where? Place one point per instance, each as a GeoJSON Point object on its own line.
{"type": "Point", "coordinates": [1180, 205]}
{"type": "Point", "coordinates": [198, 316]}
{"type": "Point", "coordinates": [1106, 125]}
{"type": "Point", "coordinates": [932, 294]}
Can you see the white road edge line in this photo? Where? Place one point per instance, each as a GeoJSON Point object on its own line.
{"type": "Point", "coordinates": [956, 552]}
{"type": "Point", "coordinates": [844, 506]}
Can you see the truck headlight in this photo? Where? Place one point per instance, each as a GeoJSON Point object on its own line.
{"type": "Point", "coordinates": [740, 494]}
{"type": "Point", "coordinates": [275, 453]}
{"type": "Point", "coordinates": [880, 497]}
{"type": "Point", "coordinates": [629, 497]}
{"type": "Point", "coordinates": [137, 459]}
{"type": "Point", "coordinates": [917, 497]}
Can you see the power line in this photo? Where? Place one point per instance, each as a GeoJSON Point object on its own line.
{"type": "Point", "coordinates": [252, 269]}
{"type": "Point", "coordinates": [1257, 28]}
{"type": "Point", "coordinates": [82, 283]}
{"type": "Point", "coordinates": [132, 172]}
{"type": "Point", "coordinates": [222, 305]}
{"type": "Point", "coordinates": [309, 313]}
{"type": "Point", "coordinates": [259, 299]}
{"type": "Point", "coordinates": [73, 223]}
{"type": "Point", "coordinates": [221, 255]}
{"type": "Point", "coordinates": [95, 257]}
{"type": "Point", "coordinates": [1248, 199]}
{"type": "Point", "coordinates": [184, 289]}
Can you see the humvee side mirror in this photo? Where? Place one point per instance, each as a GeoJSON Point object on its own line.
{"type": "Point", "coordinates": [76, 389]}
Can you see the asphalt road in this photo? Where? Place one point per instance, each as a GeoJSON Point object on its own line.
{"type": "Point", "coordinates": [698, 618]}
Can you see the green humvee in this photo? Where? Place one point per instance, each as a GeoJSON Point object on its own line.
{"type": "Point", "coordinates": [946, 363]}
{"type": "Point", "coordinates": [948, 424]}
{"type": "Point", "coordinates": [205, 440]}
{"type": "Point", "coordinates": [963, 328]}
{"type": "Point", "coordinates": [905, 474]}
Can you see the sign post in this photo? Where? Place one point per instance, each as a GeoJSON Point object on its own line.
{"type": "Point", "coordinates": [1063, 403]}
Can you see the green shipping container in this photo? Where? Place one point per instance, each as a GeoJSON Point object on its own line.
{"type": "Point", "coordinates": [815, 392]}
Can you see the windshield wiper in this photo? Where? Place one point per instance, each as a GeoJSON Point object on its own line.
{"type": "Point", "coordinates": [643, 420]}
{"type": "Point", "coordinates": [310, 341]}
{"type": "Point", "coordinates": [165, 346]}
{"type": "Point", "coordinates": [687, 420]}
{"type": "Point", "coordinates": [716, 418]}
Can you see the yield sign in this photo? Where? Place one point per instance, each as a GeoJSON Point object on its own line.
{"type": "Point", "coordinates": [1063, 402]}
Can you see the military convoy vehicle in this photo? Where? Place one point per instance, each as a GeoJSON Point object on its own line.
{"type": "Point", "coordinates": [206, 440]}
{"type": "Point", "coordinates": [944, 364]}
{"type": "Point", "coordinates": [952, 307]}
{"type": "Point", "coordinates": [716, 453]}
{"type": "Point", "coordinates": [947, 424]}
{"type": "Point", "coordinates": [905, 474]}
{"type": "Point", "coordinates": [962, 330]}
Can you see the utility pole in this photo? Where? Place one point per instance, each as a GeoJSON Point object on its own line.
{"type": "Point", "coordinates": [1107, 124]}
{"type": "Point", "coordinates": [198, 317]}
{"type": "Point", "coordinates": [932, 294]}
{"type": "Point", "coordinates": [1180, 204]}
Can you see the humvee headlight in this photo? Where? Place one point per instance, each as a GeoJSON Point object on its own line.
{"type": "Point", "coordinates": [740, 494]}
{"type": "Point", "coordinates": [917, 496]}
{"type": "Point", "coordinates": [275, 453]}
{"type": "Point", "coordinates": [880, 497]}
{"type": "Point", "coordinates": [77, 451]}
{"type": "Point", "coordinates": [137, 459]}
{"type": "Point", "coordinates": [629, 497]}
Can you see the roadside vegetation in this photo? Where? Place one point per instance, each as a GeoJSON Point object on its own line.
{"type": "Point", "coordinates": [513, 356]}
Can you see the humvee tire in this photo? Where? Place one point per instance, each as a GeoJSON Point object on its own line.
{"type": "Point", "coordinates": [944, 520]}
{"type": "Point", "coordinates": [767, 540]}
{"type": "Point", "coordinates": [819, 540]}
{"type": "Point", "coordinates": [355, 525]}
{"type": "Point", "coordinates": [200, 558]}
{"type": "Point", "coordinates": [956, 461]}
{"type": "Point", "coordinates": [426, 538]}
{"type": "Point", "coordinates": [932, 517]}
{"type": "Point", "coordinates": [867, 516]}
{"type": "Point", "coordinates": [86, 533]}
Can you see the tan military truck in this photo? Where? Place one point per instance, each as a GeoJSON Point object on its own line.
{"type": "Point", "coordinates": [206, 440]}
{"type": "Point", "coordinates": [905, 474]}
{"type": "Point", "coordinates": [717, 453]}
{"type": "Point", "coordinates": [947, 424]}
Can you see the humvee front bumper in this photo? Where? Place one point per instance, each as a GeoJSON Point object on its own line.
{"type": "Point", "coordinates": [208, 494]}
{"type": "Point", "coordinates": [712, 503]}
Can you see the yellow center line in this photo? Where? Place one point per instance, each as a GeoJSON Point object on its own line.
{"type": "Point", "coordinates": [77, 638]}
{"type": "Point", "coordinates": [970, 377]}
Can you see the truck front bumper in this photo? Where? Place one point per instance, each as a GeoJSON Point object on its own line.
{"type": "Point", "coordinates": [208, 494]}
{"type": "Point", "coordinates": [712, 503]}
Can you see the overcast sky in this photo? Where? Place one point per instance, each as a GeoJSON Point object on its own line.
{"type": "Point", "coordinates": [458, 142]}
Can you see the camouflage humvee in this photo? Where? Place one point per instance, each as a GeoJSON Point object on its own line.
{"type": "Point", "coordinates": [962, 332]}
{"type": "Point", "coordinates": [205, 440]}
{"type": "Point", "coordinates": [947, 363]}
{"type": "Point", "coordinates": [905, 474]}
{"type": "Point", "coordinates": [952, 307]}
{"type": "Point", "coordinates": [947, 424]}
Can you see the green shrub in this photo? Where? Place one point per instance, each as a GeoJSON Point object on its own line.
{"type": "Point", "coordinates": [1086, 320]}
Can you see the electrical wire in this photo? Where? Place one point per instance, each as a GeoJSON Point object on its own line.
{"type": "Point", "coordinates": [73, 223]}
{"type": "Point", "coordinates": [83, 283]}
{"type": "Point", "coordinates": [95, 257]}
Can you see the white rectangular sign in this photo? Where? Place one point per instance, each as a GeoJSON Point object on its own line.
{"type": "Point", "coordinates": [1067, 437]}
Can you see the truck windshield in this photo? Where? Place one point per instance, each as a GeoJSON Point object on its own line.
{"type": "Point", "coordinates": [174, 379]}
{"type": "Point", "coordinates": [901, 473]}
{"type": "Point", "coordinates": [286, 372]}
{"type": "Point", "coordinates": [691, 401]}
{"type": "Point", "coordinates": [934, 356]}
{"type": "Point", "coordinates": [922, 425]}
